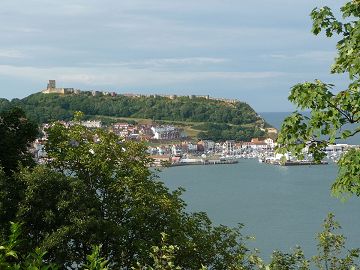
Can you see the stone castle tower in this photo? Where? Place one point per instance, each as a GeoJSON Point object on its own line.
{"type": "Point", "coordinates": [51, 89]}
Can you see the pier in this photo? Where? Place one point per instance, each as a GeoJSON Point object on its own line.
{"type": "Point", "coordinates": [205, 162]}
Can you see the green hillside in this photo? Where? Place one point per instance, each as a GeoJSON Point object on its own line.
{"type": "Point", "coordinates": [211, 119]}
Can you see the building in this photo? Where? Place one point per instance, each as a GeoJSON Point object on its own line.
{"type": "Point", "coordinates": [51, 89]}
{"type": "Point", "coordinates": [95, 93]}
{"type": "Point", "coordinates": [51, 84]}
{"type": "Point", "coordinates": [208, 145]}
{"type": "Point", "coordinates": [91, 124]}
{"type": "Point", "coordinates": [270, 142]}
{"type": "Point", "coordinates": [166, 133]}
{"type": "Point", "coordinates": [229, 147]}
{"type": "Point", "coordinates": [189, 147]}
{"type": "Point", "coordinates": [176, 150]}
{"type": "Point", "coordinates": [257, 144]}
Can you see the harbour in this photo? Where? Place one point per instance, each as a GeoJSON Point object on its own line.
{"type": "Point", "coordinates": [282, 206]}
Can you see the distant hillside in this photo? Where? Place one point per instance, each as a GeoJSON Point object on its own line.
{"type": "Point", "coordinates": [217, 119]}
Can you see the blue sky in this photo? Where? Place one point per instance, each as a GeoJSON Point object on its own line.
{"type": "Point", "coordinates": [250, 50]}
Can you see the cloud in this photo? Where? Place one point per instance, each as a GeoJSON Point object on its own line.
{"type": "Point", "coordinates": [52, 8]}
{"type": "Point", "coordinates": [140, 44]}
{"type": "Point", "coordinates": [11, 53]}
{"type": "Point", "coordinates": [127, 76]}
{"type": "Point", "coordinates": [19, 29]}
{"type": "Point", "coordinates": [310, 55]}
{"type": "Point", "coordinates": [161, 63]}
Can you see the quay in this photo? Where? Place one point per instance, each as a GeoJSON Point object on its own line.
{"type": "Point", "coordinates": [205, 162]}
{"type": "Point", "coordinates": [303, 162]}
{"type": "Point", "coordinates": [296, 162]}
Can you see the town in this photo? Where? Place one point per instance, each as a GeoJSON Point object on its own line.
{"type": "Point", "coordinates": [168, 145]}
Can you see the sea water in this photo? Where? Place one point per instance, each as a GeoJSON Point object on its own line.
{"type": "Point", "coordinates": [281, 206]}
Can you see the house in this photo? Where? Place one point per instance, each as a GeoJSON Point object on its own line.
{"type": "Point", "coordinates": [91, 124]}
{"type": "Point", "coordinates": [200, 147]}
{"type": "Point", "coordinates": [208, 145]}
{"type": "Point", "coordinates": [229, 147]}
{"type": "Point", "coordinates": [165, 133]}
{"type": "Point", "coordinates": [176, 150]}
{"type": "Point", "coordinates": [256, 144]}
{"type": "Point", "coordinates": [270, 142]}
{"type": "Point", "coordinates": [189, 147]}
{"type": "Point", "coordinates": [96, 93]}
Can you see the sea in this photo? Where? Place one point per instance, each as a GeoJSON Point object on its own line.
{"type": "Point", "coordinates": [282, 207]}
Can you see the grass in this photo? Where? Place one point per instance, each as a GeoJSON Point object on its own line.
{"type": "Point", "coordinates": [187, 126]}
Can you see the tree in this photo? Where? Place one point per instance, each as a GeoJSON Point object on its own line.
{"type": "Point", "coordinates": [13, 259]}
{"type": "Point", "coordinates": [331, 255]}
{"type": "Point", "coordinates": [16, 134]}
{"type": "Point", "coordinates": [98, 190]}
{"type": "Point", "coordinates": [49, 107]}
{"type": "Point", "coordinates": [333, 115]}
{"type": "Point", "coordinates": [331, 246]}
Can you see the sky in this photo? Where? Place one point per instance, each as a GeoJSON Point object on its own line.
{"type": "Point", "coordinates": [253, 51]}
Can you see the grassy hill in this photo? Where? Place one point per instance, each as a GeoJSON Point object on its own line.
{"type": "Point", "coordinates": [201, 117]}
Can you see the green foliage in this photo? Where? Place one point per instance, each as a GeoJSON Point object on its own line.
{"type": "Point", "coordinates": [331, 248]}
{"type": "Point", "coordinates": [331, 255]}
{"type": "Point", "coordinates": [289, 261]}
{"type": "Point", "coordinates": [333, 115]}
{"type": "Point", "coordinates": [16, 134]}
{"type": "Point", "coordinates": [8, 248]}
{"type": "Point", "coordinates": [347, 180]}
{"type": "Point", "coordinates": [98, 190]}
{"type": "Point", "coordinates": [222, 132]}
{"type": "Point", "coordinates": [163, 257]}
{"type": "Point", "coordinates": [11, 259]}
{"type": "Point", "coordinates": [95, 261]}
{"type": "Point", "coordinates": [51, 107]}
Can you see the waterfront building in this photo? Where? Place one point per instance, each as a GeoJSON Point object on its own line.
{"type": "Point", "coordinates": [208, 145]}
{"type": "Point", "coordinates": [176, 150]}
{"type": "Point", "coordinates": [229, 147]}
{"type": "Point", "coordinates": [256, 144]}
{"type": "Point", "coordinates": [189, 147]}
{"type": "Point", "coordinates": [162, 150]}
{"type": "Point", "coordinates": [200, 147]}
{"type": "Point", "coordinates": [270, 142]}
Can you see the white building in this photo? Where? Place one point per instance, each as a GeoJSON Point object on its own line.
{"type": "Point", "coordinates": [209, 146]}
{"type": "Point", "coordinates": [91, 124]}
{"type": "Point", "coordinates": [229, 147]}
{"type": "Point", "coordinates": [192, 147]}
{"type": "Point", "coordinates": [176, 150]}
{"type": "Point", "coordinates": [165, 133]}
{"type": "Point", "coordinates": [270, 142]}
